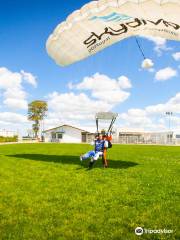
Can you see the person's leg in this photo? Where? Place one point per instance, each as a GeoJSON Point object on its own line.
{"type": "Point", "coordinates": [104, 157]}
{"type": "Point", "coordinates": [103, 161]}
{"type": "Point", "coordinates": [87, 155]}
{"type": "Point", "coordinates": [95, 158]}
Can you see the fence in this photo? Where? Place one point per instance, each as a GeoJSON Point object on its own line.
{"type": "Point", "coordinates": [165, 138]}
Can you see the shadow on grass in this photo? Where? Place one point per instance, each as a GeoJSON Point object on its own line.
{"type": "Point", "coordinates": [68, 159]}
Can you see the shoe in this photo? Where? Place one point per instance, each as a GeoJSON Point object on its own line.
{"type": "Point", "coordinates": [91, 164]}
{"type": "Point", "coordinates": [81, 158]}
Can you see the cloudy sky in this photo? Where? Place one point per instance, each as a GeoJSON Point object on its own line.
{"type": "Point", "coordinates": [112, 80]}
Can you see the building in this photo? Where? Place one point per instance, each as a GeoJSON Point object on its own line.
{"type": "Point", "coordinates": [137, 137]}
{"type": "Point", "coordinates": [176, 137]}
{"type": "Point", "coordinates": [68, 134]}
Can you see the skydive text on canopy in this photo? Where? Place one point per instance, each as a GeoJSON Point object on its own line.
{"type": "Point", "coordinates": [124, 27]}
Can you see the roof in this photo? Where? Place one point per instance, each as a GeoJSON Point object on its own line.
{"type": "Point", "coordinates": [66, 125]}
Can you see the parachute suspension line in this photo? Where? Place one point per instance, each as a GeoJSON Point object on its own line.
{"type": "Point", "coordinates": [97, 125]}
{"type": "Point", "coordinates": [111, 125]}
{"type": "Point", "coordinates": [140, 48]}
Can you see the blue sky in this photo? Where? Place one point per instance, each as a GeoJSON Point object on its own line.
{"type": "Point", "coordinates": [24, 29]}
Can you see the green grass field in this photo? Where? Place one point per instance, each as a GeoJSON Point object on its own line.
{"type": "Point", "coordinates": [46, 193]}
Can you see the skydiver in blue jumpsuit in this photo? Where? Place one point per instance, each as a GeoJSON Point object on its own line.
{"type": "Point", "coordinates": [99, 145]}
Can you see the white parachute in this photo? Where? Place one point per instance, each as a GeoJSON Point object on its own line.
{"type": "Point", "coordinates": [99, 24]}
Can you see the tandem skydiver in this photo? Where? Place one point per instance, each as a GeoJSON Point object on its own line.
{"type": "Point", "coordinates": [100, 145]}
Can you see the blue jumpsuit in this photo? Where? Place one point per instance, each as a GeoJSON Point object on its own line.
{"type": "Point", "coordinates": [99, 146]}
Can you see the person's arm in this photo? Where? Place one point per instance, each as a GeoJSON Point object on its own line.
{"type": "Point", "coordinates": [105, 144]}
{"type": "Point", "coordinates": [92, 143]}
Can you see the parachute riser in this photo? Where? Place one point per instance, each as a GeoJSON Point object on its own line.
{"type": "Point", "coordinates": [111, 125]}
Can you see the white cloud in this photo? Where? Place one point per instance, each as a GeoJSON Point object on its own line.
{"type": "Point", "coordinates": [153, 118]}
{"type": "Point", "coordinates": [29, 78]}
{"type": "Point", "coordinates": [15, 103]}
{"type": "Point", "coordinates": [9, 79]}
{"type": "Point", "coordinates": [173, 105]}
{"type": "Point", "coordinates": [124, 82]}
{"type": "Point", "coordinates": [147, 64]}
{"type": "Point", "coordinates": [75, 106]}
{"type": "Point", "coordinates": [165, 74]}
{"type": "Point", "coordinates": [16, 93]}
{"type": "Point", "coordinates": [11, 86]}
{"type": "Point", "coordinates": [113, 97]}
{"type": "Point", "coordinates": [135, 118]}
{"type": "Point", "coordinates": [176, 56]}
{"type": "Point", "coordinates": [93, 94]}
{"type": "Point", "coordinates": [104, 88]}
{"type": "Point", "coordinates": [12, 118]}
{"type": "Point", "coordinates": [14, 122]}
{"type": "Point", "coordinates": [157, 40]}
{"type": "Point", "coordinates": [160, 44]}
{"type": "Point", "coordinates": [74, 109]}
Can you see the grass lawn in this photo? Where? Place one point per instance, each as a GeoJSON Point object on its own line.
{"type": "Point", "coordinates": [46, 193]}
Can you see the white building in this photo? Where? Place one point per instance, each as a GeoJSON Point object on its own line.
{"type": "Point", "coordinates": [67, 134]}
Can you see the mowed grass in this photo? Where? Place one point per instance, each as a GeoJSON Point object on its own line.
{"type": "Point", "coordinates": [46, 193]}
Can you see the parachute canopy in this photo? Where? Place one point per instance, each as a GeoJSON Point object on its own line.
{"type": "Point", "coordinates": [106, 116]}
{"type": "Point", "coordinates": [99, 24]}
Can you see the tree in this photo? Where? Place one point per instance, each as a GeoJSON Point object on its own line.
{"type": "Point", "coordinates": [37, 112]}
